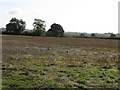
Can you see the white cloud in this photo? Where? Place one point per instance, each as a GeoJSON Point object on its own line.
{"type": "Point", "coordinates": [14, 11]}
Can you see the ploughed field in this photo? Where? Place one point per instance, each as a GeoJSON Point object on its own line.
{"type": "Point", "coordinates": [49, 62]}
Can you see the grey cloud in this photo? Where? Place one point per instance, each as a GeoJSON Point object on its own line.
{"type": "Point", "coordinates": [14, 11]}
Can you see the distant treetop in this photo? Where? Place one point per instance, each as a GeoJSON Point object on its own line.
{"type": "Point", "coordinates": [56, 30]}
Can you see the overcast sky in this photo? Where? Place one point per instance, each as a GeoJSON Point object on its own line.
{"type": "Point", "coordinates": [91, 16]}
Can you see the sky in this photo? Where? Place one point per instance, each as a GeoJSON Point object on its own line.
{"type": "Point", "coordinates": [90, 16]}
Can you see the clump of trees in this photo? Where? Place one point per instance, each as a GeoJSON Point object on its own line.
{"type": "Point", "coordinates": [15, 26]}
{"type": "Point", "coordinates": [93, 35]}
{"type": "Point", "coordinates": [39, 27]}
{"type": "Point", "coordinates": [82, 35]}
{"type": "Point", "coordinates": [56, 30]}
{"type": "Point", "coordinates": [112, 36]}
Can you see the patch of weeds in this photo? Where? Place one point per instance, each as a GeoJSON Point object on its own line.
{"type": "Point", "coordinates": [72, 73]}
{"type": "Point", "coordinates": [13, 68]}
{"type": "Point", "coordinates": [23, 68]}
{"type": "Point", "coordinates": [81, 80]}
{"type": "Point", "coordinates": [10, 74]}
{"type": "Point", "coordinates": [47, 83]}
{"type": "Point", "coordinates": [111, 75]}
{"type": "Point", "coordinates": [12, 83]}
{"type": "Point", "coordinates": [32, 69]}
{"type": "Point", "coordinates": [113, 72]}
{"type": "Point", "coordinates": [67, 85]}
{"type": "Point", "coordinates": [61, 74]}
{"type": "Point", "coordinates": [104, 85]}
{"type": "Point", "coordinates": [80, 86]}
{"type": "Point", "coordinates": [60, 80]}
{"type": "Point", "coordinates": [22, 76]}
{"type": "Point", "coordinates": [100, 74]}
{"type": "Point", "coordinates": [109, 80]}
{"type": "Point", "coordinates": [41, 72]}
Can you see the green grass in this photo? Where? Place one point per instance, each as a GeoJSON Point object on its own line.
{"type": "Point", "coordinates": [55, 76]}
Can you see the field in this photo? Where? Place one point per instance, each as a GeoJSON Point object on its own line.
{"type": "Point", "coordinates": [48, 62]}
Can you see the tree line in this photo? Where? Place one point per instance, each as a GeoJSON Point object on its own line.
{"type": "Point", "coordinates": [93, 35]}
{"type": "Point", "coordinates": [17, 27]}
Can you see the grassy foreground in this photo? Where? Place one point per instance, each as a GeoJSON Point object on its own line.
{"type": "Point", "coordinates": [29, 62]}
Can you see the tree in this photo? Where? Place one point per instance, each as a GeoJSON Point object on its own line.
{"type": "Point", "coordinates": [112, 36]}
{"type": "Point", "coordinates": [93, 35]}
{"type": "Point", "coordinates": [82, 35]}
{"type": "Point", "coordinates": [15, 26]}
{"type": "Point", "coordinates": [39, 27]}
{"type": "Point", "coordinates": [56, 30]}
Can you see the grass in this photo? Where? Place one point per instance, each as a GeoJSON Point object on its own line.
{"type": "Point", "coordinates": [34, 76]}
{"type": "Point", "coordinates": [29, 62]}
